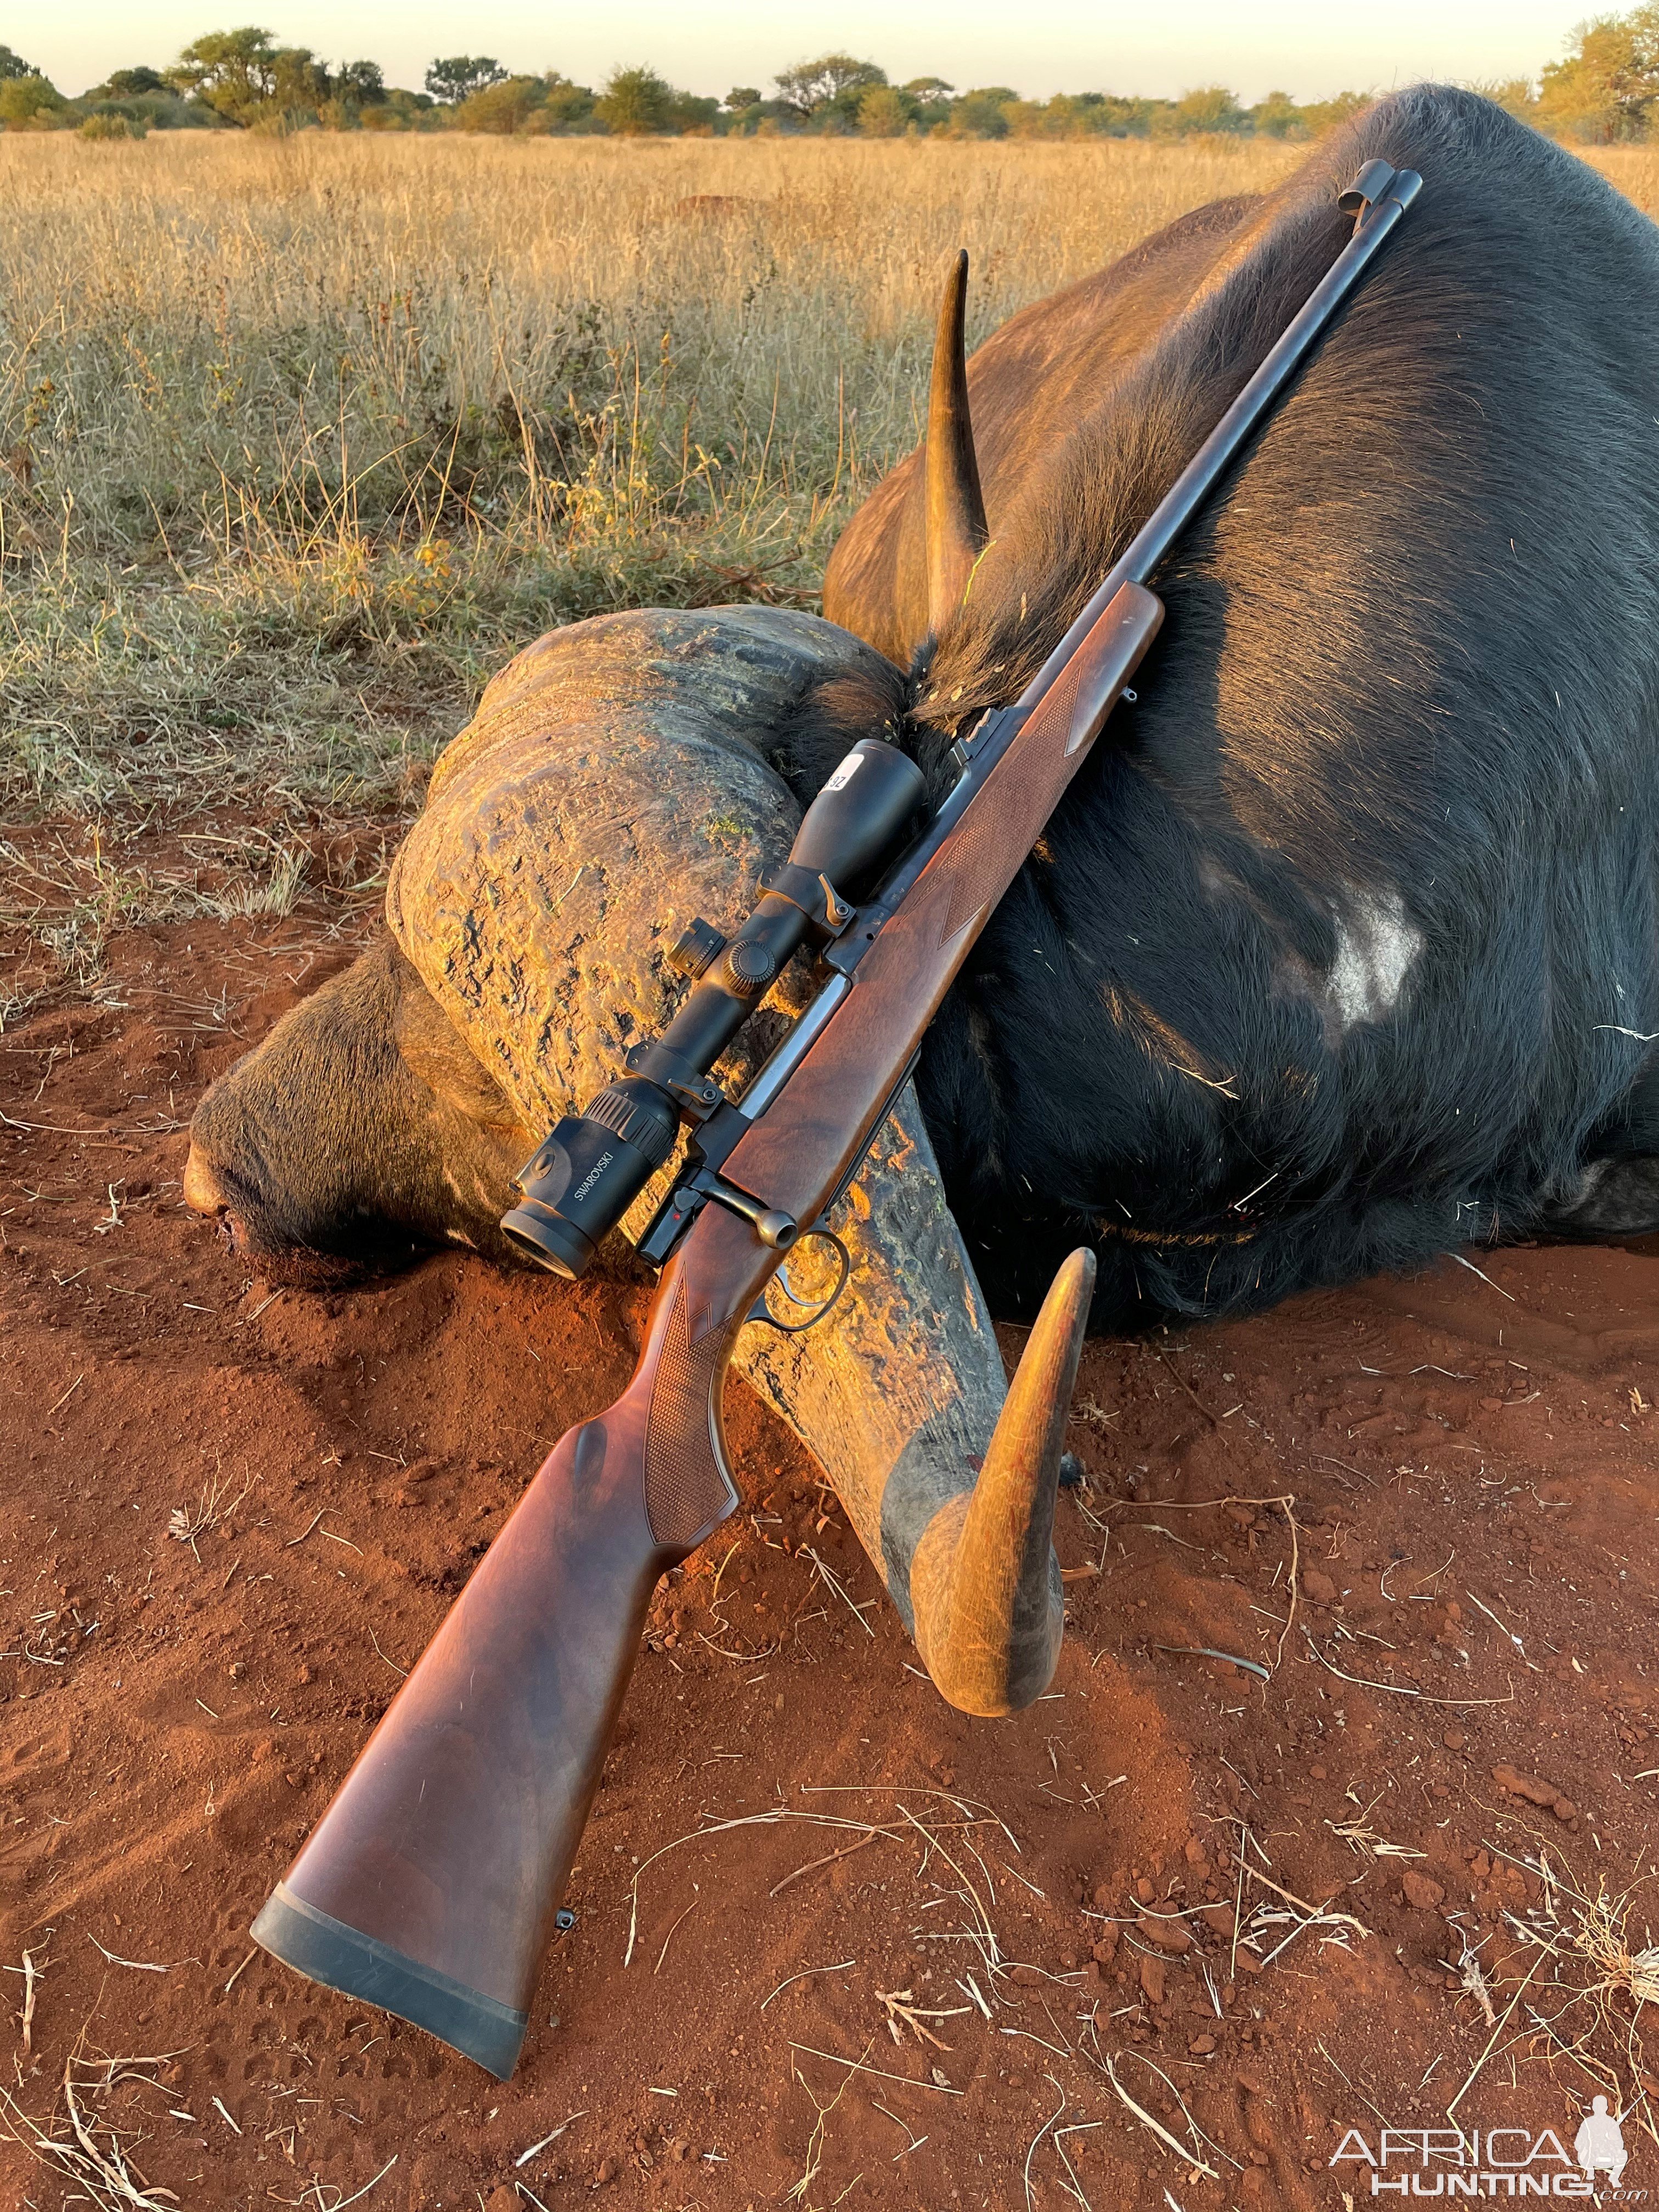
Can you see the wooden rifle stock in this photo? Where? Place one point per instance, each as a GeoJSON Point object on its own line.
{"type": "Point", "coordinates": [429, 1885]}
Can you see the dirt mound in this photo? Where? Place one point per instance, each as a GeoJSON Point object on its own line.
{"type": "Point", "coordinates": [1350, 1736]}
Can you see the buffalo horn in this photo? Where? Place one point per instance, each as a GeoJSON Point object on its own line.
{"type": "Point", "coordinates": [896, 1396]}
{"type": "Point", "coordinates": [955, 523]}
{"type": "Point", "coordinates": [987, 1595]}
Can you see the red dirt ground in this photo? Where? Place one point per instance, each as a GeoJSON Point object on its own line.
{"type": "Point", "coordinates": [1468, 1471]}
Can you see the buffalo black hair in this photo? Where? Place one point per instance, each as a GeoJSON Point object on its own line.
{"type": "Point", "coordinates": [1342, 949]}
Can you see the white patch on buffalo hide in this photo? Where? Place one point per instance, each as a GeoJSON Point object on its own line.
{"type": "Point", "coordinates": [460, 1236]}
{"type": "Point", "coordinates": [1375, 946]}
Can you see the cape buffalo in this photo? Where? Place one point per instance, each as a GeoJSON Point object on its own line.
{"type": "Point", "coordinates": [1339, 952]}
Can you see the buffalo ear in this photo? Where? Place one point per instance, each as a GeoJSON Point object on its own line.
{"type": "Point", "coordinates": [432, 1049]}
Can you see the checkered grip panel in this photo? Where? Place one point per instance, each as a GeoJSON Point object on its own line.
{"type": "Point", "coordinates": [685, 1490]}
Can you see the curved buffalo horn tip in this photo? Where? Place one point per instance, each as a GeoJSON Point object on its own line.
{"type": "Point", "coordinates": [956, 527]}
{"type": "Point", "coordinates": [989, 1608]}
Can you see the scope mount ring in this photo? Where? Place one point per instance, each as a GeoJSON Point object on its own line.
{"type": "Point", "coordinates": [821, 1308]}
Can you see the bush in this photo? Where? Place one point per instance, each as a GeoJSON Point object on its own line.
{"type": "Point", "coordinates": [932, 97]}
{"type": "Point", "coordinates": [154, 111]}
{"type": "Point", "coordinates": [500, 109]}
{"type": "Point", "coordinates": [983, 114]}
{"type": "Point", "coordinates": [884, 111]}
{"type": "Point", "coordinates": [1278, 116]}
{"type": "Point", "coordinates": [1608, 88]}
{"type": "Point", "coordinates": [32, 103]}
{"type": "Point", "coordinates": [692, 115]}
{"type": "Point", "coordinates": [826, 93]}
{"type": "Point", "coordinates": [1323, 115]}
{"type": "Point", "coordinates": [462, 74]}
{"type": "Point", "coordinates": [567, 105]}
{"type": "Point", "coordinates": [128, 84]}
{"type": "Point", "coordinates": [637, 103]}
{"type": "Point", "coordinates": [249, 81]}
{"type": "Point", "coordinates": [1211, 108]}
{"type": "Point", "coordinates": [1082, 115]}
{"type": "Point", "coordinates": [1514, 95]}
{"type": "Point", "coordinates": [110, 125]}
{"type": "Point", "coordinates": [405, 110]}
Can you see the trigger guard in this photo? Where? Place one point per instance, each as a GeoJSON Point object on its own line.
{"type": "Point", "coordinates": [762, 1312]}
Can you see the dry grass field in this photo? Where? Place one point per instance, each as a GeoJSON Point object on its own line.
{"type": "Point", "coordinates": [302, 436]}
{"type": "Point", "coordinates": [298, 439]}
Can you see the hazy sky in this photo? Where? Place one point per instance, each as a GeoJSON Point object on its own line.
{"type": "Point", "coordinates": [1311, 48]}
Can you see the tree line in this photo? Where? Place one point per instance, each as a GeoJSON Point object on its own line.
{"type": "Point", "coordinates": [1606, 88]}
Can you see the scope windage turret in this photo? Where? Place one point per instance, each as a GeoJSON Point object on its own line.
{"type": "Point", "coordinates": [584, 1177]}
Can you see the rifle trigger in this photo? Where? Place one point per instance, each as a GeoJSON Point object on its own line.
{"type": "Point", "coordinates": [816, 1311]}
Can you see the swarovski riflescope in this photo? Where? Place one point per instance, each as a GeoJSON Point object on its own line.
{"type": "Point", "coordinates": [586, 1175]}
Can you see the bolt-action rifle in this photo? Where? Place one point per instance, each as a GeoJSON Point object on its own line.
{"type": "Point", "coordinates": [430, 1885]}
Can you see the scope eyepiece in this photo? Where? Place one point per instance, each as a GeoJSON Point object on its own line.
{"type": "Point", "coordinates": [583, 1178]}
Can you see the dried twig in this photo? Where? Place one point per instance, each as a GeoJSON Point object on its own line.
{"type": "Point", "coordinates": [1474, 1981]}
{"type": "Point", "coordinates": [525, 2156]}
{"type": "Point", "coordinates": [1312, 1911]}
{"type": "Point", "coordinates": [1208, 1651]}
{"type": "Point", "coordinates": [903, 2008]}
{"type": "Point", "coordinates": [67, 1396]}
{"type": "Point", "coordinates": [768, 1819]}
{"type": "Point", "coordinates": [806, 1973]}
{"type": "Point", "coordinates": [669, 1937]}
{"type": "Point", "coordinates": [1399, 1689]}
{"type": "Point", "coordinates": [828, 1859]}
{"type": "Point", "coordinates": [833, 1581]}
{"type": "Point", "coordinates": [815, 2141]}
{"type": "Point", "coordinates": [31, 1978]}
{"type": "Point", "coordinates": [139, 1966]}
{"type": "Point", "coordinates": [1286, 1505]}
{"type": "Point", "coordinates": [186, 1523]}
{"type": "Point", "coordinates": [1058, 2112]}
{"type": "Point", "coordinates": [1498, 2031]}
{"type": "Point", "coordinates": [1484, 1278]}
{"type": "Point", "coordinates": [97, 2168]}
{"type": "Point", "coordinates": [1183, 2151]}
{"type": "Point", "coordinates": [858, 2066]}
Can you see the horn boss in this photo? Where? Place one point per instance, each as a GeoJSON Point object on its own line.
{"type": "Point", "coordinates": [588, 1171]}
